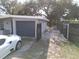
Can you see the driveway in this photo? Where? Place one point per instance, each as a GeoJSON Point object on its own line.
{"type": "Point", "coordinates": [46, 48]}
{"type": "Point", "coordinates": [32, 50]}
{"type": "Point", "coordinates": [26, 44]}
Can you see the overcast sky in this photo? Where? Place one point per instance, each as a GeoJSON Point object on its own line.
{"type": "Point", "coordinates": [22, 1]}
{"type": "Point", "coordinates": [76, 1]}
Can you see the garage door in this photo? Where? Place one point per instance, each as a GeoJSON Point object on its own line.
{"type": "Point", "coordinates": [25, 28]}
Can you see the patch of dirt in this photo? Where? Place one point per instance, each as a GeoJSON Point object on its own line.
{"type": "Point", "coordinates": [54, 50]}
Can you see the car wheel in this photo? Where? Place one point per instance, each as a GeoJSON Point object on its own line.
{"type": "Point", "coordinates": [18, 45]}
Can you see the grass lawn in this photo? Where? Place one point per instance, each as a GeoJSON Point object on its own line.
{"type": "Point", "coordinates": [69, 51]}
{"type": "Point", "coordinates": [39, 50]}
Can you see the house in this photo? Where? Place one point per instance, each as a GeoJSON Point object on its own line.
{"type": "Point", "coordinates": [28, 26]}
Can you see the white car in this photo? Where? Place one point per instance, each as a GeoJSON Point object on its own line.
{"type": "Point", "coordinates": [9, 44]}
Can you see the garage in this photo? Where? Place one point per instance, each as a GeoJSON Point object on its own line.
{"type": "Point", "coordinates": [25, 28]}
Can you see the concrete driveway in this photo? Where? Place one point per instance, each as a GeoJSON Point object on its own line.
{"type": "Point", "coordinates": [26, 44]}
{"type": "Point", "coordinates": [46, 48]}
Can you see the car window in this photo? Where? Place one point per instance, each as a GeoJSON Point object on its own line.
{"type": "Point", "coordinates": [2, 41]}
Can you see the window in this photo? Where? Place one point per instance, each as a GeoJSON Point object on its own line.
{"type": "Point", "coordinates": [2, 41]}
{"type": "Point", "coordinates": [1, 25]}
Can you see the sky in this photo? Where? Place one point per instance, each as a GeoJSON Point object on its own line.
{"type": "Point", "coordinates": [76, 1]}
{"type": "Point", "coordinates": [22, 1]}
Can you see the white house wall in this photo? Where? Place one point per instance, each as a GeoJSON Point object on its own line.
{"type": "Point", "coordinates": [7, 25]}
{"type": "Point", "coordinates": [44, 26]}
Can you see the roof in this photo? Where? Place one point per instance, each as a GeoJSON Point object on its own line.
{"type": "Point", "coordinates": [2, 17]}
{"type": "Point", "coordinates": [21, 16]}
{"type": "Point", "coordinates": [71, 21]}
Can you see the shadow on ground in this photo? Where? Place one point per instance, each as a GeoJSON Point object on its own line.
{"type": "Point", "coordinates": [38, 50]}
{"type": "Point", "coordinates": [31, 50]}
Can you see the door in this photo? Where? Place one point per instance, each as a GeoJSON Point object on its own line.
{"type": "Point", "coordinates": [25, 28]}
{"type": "Point", "coordinates": [38, 31]}
{"type": "Point", "coordinates": [65, 30]}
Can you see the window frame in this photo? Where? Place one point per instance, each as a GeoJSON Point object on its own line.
{"type": "Point", "coordinates": [3, 41]}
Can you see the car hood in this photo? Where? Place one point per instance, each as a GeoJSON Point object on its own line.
{"type": "Point", "coordinates": [3, 36]}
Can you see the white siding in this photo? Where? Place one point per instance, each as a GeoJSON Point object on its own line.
{"type": "Point", "coordinates": [1, 25]}
{"type": "Point", "coordinates": [23, 19]}
{"type": "Point", "coordinates": [44, 26]}
{"type": "Point", "coordinates": [7, 26]}
{"type": "Point", "coordinates": [14, 26]}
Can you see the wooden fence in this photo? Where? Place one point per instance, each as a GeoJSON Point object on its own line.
{"type": "Point", "coordinates": [74, 32]}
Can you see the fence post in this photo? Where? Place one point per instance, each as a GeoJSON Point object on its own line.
{"type": "Point", "coordinates": [67, 31]}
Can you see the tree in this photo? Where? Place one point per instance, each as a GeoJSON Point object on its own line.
{"type": "Point", "coordinates": [55, 9]}
{"type": "Point", "coordinates": [52, 8]}
{"type": "Point", "coordinates": [74, 12]}
{"type": "Point", "coordinates": [28, 9]}
{"type": "Point", "coordinates": [11, 6]}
